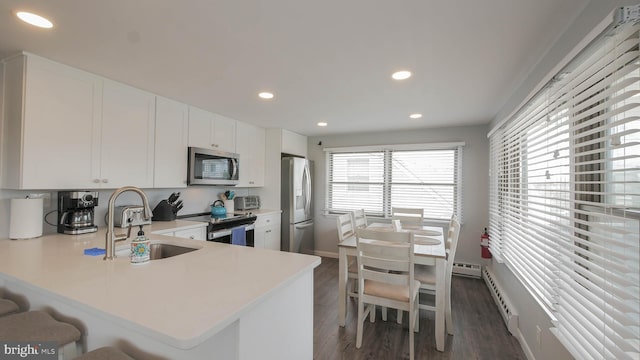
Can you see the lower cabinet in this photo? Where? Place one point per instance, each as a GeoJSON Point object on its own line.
{"type": "Point", "coordinates": [199, 233]}
{"type": "Point", "coordinates": [267, 231]}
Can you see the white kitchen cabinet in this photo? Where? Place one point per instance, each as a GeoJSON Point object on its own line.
{"type": "Point", "coordinates": [66, 129]}
{"type": "Point", "coordinates": [198, 233]}
{"type": "Point", "coordinates": [294, 144]}
{"type": "Point", "coordinates": [51, 121]}
{"type": "Point", "coordinates": [250, 145]}
{"type": "Point", "coordinates": [211, 131]}
{"type": "Point", "coordinates": [171, 141]}
{"type": "Point", "coordinates": [127, 136]}
{"type": "Point", "coordinates": [267, 231]}
{"type": "Point", "coordinates": [193, 234]}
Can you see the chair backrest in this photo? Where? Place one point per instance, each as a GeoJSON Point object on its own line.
{"type": "Point", "coordinates": [345, 227]}
{"type": "Point", "coordinates": [359, 219]}
{"type": "Point", "coordinates": [386, 257]}
{"type": "Point", "coordinates": [408, 216]}
{"type": "Point", "coordinates": [452, 244]}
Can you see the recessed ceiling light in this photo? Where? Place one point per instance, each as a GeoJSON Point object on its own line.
{"type": "Point", "coordinates": [265, 95]}
{"type": "Point", "coordinates": [35, 20]}
{"type": "Point", "coordinates": [322, 123]}
{"type": "Point", "coordinates": [415, 116]}
{"type": "Point", "coordinates": [401, 75]}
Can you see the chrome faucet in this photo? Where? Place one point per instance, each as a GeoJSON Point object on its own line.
{"type": "Point", "coordinates": [111, 238]}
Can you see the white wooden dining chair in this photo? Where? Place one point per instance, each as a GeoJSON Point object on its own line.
{"type": "Point", "coordinates": [347, 230]}
{"type": "Point", "coordinates": [359, 219]}
{"type": "Point", "coordinates": [427, 274]}
{"type": "Point", "coordinates": [386, 277]}
{"type": "Point", "coordinates": [408, 216]}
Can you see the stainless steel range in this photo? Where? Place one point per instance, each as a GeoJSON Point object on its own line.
{"type": "Point", "coordinates": [220, 229]}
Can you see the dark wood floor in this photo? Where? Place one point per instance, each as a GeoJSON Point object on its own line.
{"type": "Point", "coordinates": [479, 333]}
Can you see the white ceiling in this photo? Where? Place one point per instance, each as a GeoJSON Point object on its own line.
{"type": "Point", "coordinates": [327, 60]}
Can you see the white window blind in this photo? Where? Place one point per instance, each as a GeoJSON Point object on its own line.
{"type": "Point", "coordinates": [565, 198]}
{"type": "Point", "coordinates": [378, 179]}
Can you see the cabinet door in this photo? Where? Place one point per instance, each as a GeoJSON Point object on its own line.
{"type": "Point", "coordinates": [250, 145]}
{"type": "Point", "coordinates": [61, 112]}
{"type": "Point", "coordinates": [272, 238]}
{"type": "Point", "coordinates": [224, 133]}
{"type": "Point", "coordinates": [172, 126]}
{"type": "Point", "coordinates": [259, 235]}
{"type": "Point", "coordinates": [193, 234]}
{"type": "Point", "coordinates": [127, 136]}
{"type": "Point", "coordinates": [294, 144]}
{"type": "Point", "coordinates": [200, 128]}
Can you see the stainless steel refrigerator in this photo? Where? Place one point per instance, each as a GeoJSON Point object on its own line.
{"type": "Point", "coordinates": [297, 207]}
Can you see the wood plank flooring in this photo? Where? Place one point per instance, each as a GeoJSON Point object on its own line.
{"type": "Point", "coordinates": [480, 332]}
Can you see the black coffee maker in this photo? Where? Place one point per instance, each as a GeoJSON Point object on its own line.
{"type": "Point", "coordinates": [76, 212]}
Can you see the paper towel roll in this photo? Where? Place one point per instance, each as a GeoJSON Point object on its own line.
{"type": "Point", "coordinates": [26, 218]}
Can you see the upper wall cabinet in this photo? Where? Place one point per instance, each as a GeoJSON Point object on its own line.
{"type": "Point", "coordinates": [172, 134]}
{"type": "Point", "coordinates": [126, 136]}
{"type": "Point", "coordinates": [51, 117]}
{"type": "Point", "coordinates": [250, 145]}
{"type": "Point", "coordinates": [294, 144]}
{"type": "Point", "coordinates": [211, 131]}
{"type": "Point", "coordinates": [66, 129]}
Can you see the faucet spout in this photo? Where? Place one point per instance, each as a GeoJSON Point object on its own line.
{"type": "Point", "coordinates": [111, 237]}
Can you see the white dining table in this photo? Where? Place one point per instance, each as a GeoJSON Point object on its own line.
{"type": "Point", "coordinates": [426, 253]}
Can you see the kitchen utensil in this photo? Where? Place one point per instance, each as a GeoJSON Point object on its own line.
{"type": "Point", "coordinates": [226, 195]}
{"type": "Point", "coordinates": [178, 208]}
{"type": "Point", "coordinates": [173, 197]}
{"type": "Point", "coordinates": [218, 209]}
{"type": "Point", "coordinates": [231, 195]}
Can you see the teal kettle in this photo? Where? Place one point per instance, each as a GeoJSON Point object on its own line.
{"type": "Point", "coordinates": [218, 210]}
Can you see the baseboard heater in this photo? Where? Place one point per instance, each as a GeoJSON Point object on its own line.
{"type": "Point", "coordinates": [469, 270]}
{"type": "Point", "coordinates": [504, 305]}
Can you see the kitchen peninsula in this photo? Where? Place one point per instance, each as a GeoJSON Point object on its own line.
{"type": "Point", "coordinates": [218, 302]}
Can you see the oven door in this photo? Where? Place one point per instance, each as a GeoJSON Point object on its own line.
{"type": "Point", "coordinates": [224, 235]}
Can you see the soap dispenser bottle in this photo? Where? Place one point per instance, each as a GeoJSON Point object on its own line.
{"type": "Point", "coordinates": [140, 249]}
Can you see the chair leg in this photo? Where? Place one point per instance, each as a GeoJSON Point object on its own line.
{"type": "Point", "coordinates": [360, 324]}
{"type": "Point", "coordinates": [448, 319]}
{"type": "Point", "coordinates": [384, 313]}
{"type": "Point", "coordinates": [399, 317]}
{"type": "Point", "coordinates": [411, 345]}
{"type": "Point", "coordinates": [416, 316]}
{"type": "Point", "coordinates": [372, 315]}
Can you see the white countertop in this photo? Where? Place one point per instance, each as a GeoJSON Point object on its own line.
{"type": "Point", "coordinates": [181, 301]}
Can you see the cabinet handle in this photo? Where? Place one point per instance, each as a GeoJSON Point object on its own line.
{"type": "Point", "coordinates": [268, 231]}
{"type": "Point", "coordinates": [214, 145]}
{"type": "Point", "coordinates": [268, 220]}
{"type": "Point", "coordinates": [104, 181]}
{"type": "Point", "coordinates": [97, 181]}
{"type": "Point", "coordinates": [192, 237]}
{"type": "Point", "coordinates": [251, 182]}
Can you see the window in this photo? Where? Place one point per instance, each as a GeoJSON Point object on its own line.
{"type": "Point", "coordinates": [565, 198]}
{"type": "Point", "coordinates": [378, 178]}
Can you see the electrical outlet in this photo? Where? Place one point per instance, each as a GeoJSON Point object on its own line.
{"type": "Point", "coordinates": [538, 335]}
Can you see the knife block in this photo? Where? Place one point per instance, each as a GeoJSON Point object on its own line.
{"type": "Point", "coordinates": [164, 212]}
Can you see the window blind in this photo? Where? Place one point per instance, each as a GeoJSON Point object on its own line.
{"type": "Point", "coordinates": [565, 198]}
{"type": "Point", "coordinates": [403, 176]}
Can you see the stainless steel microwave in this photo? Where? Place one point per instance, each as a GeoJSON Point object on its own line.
{"type": "Point", "coordinates": [212, 167]}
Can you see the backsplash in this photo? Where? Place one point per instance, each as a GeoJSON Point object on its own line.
{"type": "Point", "coordinates": [196, 199]}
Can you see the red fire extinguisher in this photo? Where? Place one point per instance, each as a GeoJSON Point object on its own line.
{"type": "Point", "coordinates": [484, 245]}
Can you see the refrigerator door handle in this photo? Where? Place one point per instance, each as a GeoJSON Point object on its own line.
{"type": "Point", "coordinates": [304, 226]}
{"type": "Point", "coordinates": [307, 188]}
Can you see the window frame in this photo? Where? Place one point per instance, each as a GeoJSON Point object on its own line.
{"type": "Point", "coordinates": [388, 150]}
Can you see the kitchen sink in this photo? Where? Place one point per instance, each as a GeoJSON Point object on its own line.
{"type": "Point", "coordinates": [163, 251]}
{"type": "Point", "coordinates": [158, 250]}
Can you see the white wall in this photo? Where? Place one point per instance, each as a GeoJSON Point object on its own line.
{"type": "Point", "coordinates": [474, 192]}
{"type": "Point", "coordinates": [196, 199]}
{"type": "Point", "coordinates": [530, 313]}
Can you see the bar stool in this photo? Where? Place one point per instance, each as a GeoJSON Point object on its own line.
{"type": "Point", "coordinates": [105, 353]}
{"type": "Point", "coordinates": [8, 307]}
{"type": "Point", "coordinates": [38, 326]}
